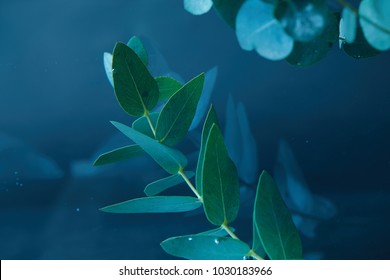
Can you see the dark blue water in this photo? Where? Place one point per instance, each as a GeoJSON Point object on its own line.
{"type": "Point", "coordinates": [56, 104]}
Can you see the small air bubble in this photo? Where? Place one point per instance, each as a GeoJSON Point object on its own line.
{"type": "Point", "coordinates": [216, 240]}
{"type": "Point", "coordinates": [189, 238]}
{"type": "Point", "coordinates": [77, 209]}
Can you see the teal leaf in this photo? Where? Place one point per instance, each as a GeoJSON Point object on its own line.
{"type": "Point", "coordinates": [248, 167]}
{"type": "Point", "coordinates": [257, 28]}
{"type": "Point", "coordinates": [142, 125]}
{"type": "Point", "coordinates": [169, 159]}
{"type": "Point", "coordinates": [360, 48]}
{"type": "Point", "coordinates": [177, 114]}
{"type": "Point", "coordinates": [155, 204]}
{"type": "Point", "coordinates": [204, 101]}
{"type": "Point", "coordinates": [165, 183]}
{"type": "Point", "coordinates": [107, 60]}
{"type": "Point", "coordinates": [228, 10]}
{"type": "Point", "coordinates": [136, 45]}
{"type": "Point", "coordinates": [348, 25]}
{"type": "Point", "coordinates": [198, 7]}
{"type": "Point", "coordinates": [198, 247]}
{"type": "Point", "coordinates": [375, 21]}
{"type": "Point", "coordinates": [302, 20]}
{"type": "Point", "coordinates": [135, 88]}
{"type": "Point", "coordinates": [220, 184]}
{"type": "Point", "coordinates": [211, 119]}
{"type": "Point", "coordinates": [167, 87]}
{"type": "Point", "coordinates": [276, 228]}
{"type": "Point", "coordinates": [309, 53]}
{"type": "Point", "coordinates": [216, 232]}
{"type": "Point", "coordinates": [119, 154]}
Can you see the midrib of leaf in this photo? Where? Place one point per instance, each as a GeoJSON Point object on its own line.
{"type": "Point", "coordinates": [136, 87]}
{"type": "Point", "coordinates": [220, 185]}
{"type": "Point", "coordinates": [277, 225]}
{"type": "Point", "coordinates": [263, 27]}
{"type": "Point", "coordinates": [177, 117]}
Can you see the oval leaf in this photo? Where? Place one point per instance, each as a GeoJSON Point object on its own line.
{"type": "Point", "coordinates": [220, 184]}
{"type": "Point", "coordinates": [272, 218]}
{"type": "Point", "coordinates": [198, 7]}
{"type": "Point", "coordinates": [136, 45]}
{"type": "Point", "coordinates": [257, 28]}
{"type": "Point", "coordinates": [135, 88]}
{"type": "Point", "coordinates": [348, 25]}
{"type": "Point", "coordinates": [211, 119]}
{"type": "Point", "coordinates": [119, 154]}
{"type": "Point", "coordinates": [360, 48]}
{"type": "Point", "coordinates": [177, 114]}
{"type": "Point", "coordinates": [167, 87]}
{"type": "Point", "coordinates": [170, 159]}
{"type": "Point", "coordinates": [375, 21]}
{"type": "Point", "coordinates": [107, 60]}
{"type": "Point", "coordinates": [165, 183]}
{"type": "Point", "coordinates": [198, 247]}
{"type": "Point", "coordinates": [257, 246]}
{"type": "Point", "coordinates": [155, 204]}
{"type": "Point", "coordinates": [142, 125]}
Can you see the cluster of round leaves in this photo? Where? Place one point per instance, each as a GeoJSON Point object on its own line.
{"type": "Point", "coordinates": [303, 31]}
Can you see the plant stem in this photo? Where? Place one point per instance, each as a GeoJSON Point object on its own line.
{"type": "Point", "coordinates": [184, 176]}
{"type": "Point", "coordinates": [146, 114]}
{"type": "Point", "coordinates": [254, 255]}
{"type": "Point", "coordinates": [229, 231]}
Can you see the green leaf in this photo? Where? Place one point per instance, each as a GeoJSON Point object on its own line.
{"type": "Point", "coordinates": [136, 45]}
{"type": "Point", "coordinates": [165, 183]}
{"type": "Point", "coordinates": [216, 232]}
{"type": "Point", "coordinates": [257, 28]}
{"type": "Point", "coordinates": [142, 125]}
{"type": "Point", "coordinates": [167, 87]}
{"type": "Point", "coordinates": [177, 114]}
{"type": "Point", "coordinates": [197, 247]}
{"type": "Point", "coordinates": [135, 88]}
{"type": "Point", "coordinates": [375, 21]}
{"type": "Point", "coordinates": [198, 7]}
{"type": "Point", "coordinates": [211, 119]}
{"type": "Point", "coordinates": [220, 184]}
{"type": "Point", "coordinates": [119, 154]}
{"type": "Point", "coordinates": [155, 204]}
{"type": "Point", "coordinates": [227, 10]}
{"type": "Point", "coordinates": [257, 246]}
{"type": "Point", "coordinates": [308, 53]}
{"type": "Point", "coordinates": [170, 159]}
{"type": "Point", "coordinates": [348, 25]}
{"type": "Point", "coordinates": [360, 48]}
{"type": "Point", "coordinates": [272, 218]}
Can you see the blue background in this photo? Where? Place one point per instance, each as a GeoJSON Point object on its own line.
{"type": "Point", "coordinates": [54, 95]}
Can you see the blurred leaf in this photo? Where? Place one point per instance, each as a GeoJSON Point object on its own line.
{"type": "Point", "coordinates": [211, 119]}
{"type": "Point", "coordinates": [257, 28]}
{"type": "Point", "coordinates": [136, 45]}
{"type": "Point", "coordinates": [228, 9]}
{"type": "Point", "coordinates": [218, 232]}
{"type": "Point", "coordinates": [374, 16]}
{"type": "Point", "coordinates": [220, 184]}
{"type": "Point", "coordinates": [232, 131]}
{"type": "Point", "coordinates": [348, 25]}
{"type": "Point", "coordinates": [302, 20]}
{"type": "Point", "coordinates": [198, 247]}
{"type": "Point", "coordinates": [248, 168]}
{"type": "Point", "coordinates": [198, 7]}
{"type": "Point", "coordinates": [165, 183]}
{"type": "Point", "coordinates": [360, 48]}
{"type": "Point", "coordinates": [142, 125]}
{"type": "Point", "coordinates": [155, 204]}
{"type": "Point", "coordinates": [177, 114]}
{"type": "Point", "coordinates": [204, 101]}
{"type": "Point", "coordinates": [169, 159]}
{"type": "Point", "coordinates": [119, 154]}
{"type": "Point", "coordinates": [167, 87]}
{"type": "Point", "coordinates": [308, 53]}
{"type": "Point", "coordinates": [107, 60]}
{"type": "Point", "coordinates": [135, 88]}
{"type": "Point", "coordinates": [276, 229]}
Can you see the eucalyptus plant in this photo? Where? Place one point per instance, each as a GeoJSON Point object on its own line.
{"type": "Point", "coordinates": [215, 185]}
{"type": "Point", "coordinates": [303, 31]}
